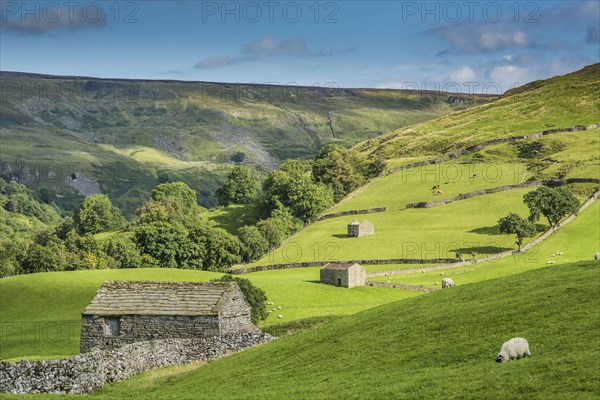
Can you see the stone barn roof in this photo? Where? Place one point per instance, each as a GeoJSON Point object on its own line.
{"type": "Point", "coordinates": [340, 266]}
{"type": "Point", "coordinates": [160, 298]}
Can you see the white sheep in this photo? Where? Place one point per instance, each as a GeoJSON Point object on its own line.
{"type": "Point", "coordinates": [515, 348]}
{"type": "Point", "coordinates": [280, 316]}
{"type": "Point", "coordinates": [550, 262]}
{"type": "Point", "coordinates": [597, 256]}
{"type": "Point", "coordinates": [447, 282]}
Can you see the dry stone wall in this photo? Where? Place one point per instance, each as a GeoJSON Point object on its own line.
{"type": "Point", "coordinates": [391, 285]}
{"type": "Point", "coordinates": [461, 263]}
{"type": "Point", "coordinates": [493, 142]}
{"type": "Point", "coordinates": [469, 195]}
{"type": "Point", "coordinates": [353, 212]}
{"type": "Point", "coordinates": [85, 372]}
{"type": "Point", "coordinates": [239, 271]}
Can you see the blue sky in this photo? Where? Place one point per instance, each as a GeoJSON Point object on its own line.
{"type": "Point", "coordinates": [388, 44]}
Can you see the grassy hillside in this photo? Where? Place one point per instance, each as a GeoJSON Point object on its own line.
{"type": "Point", "coordinates": [579, 241]}
{"type": "Point", "coordinates": [429, 233]}
{"type": "Point", "coordinates": [468, 225]}
{"type": "Point", "coordinates": [127, 135]}
{"type": "Point", "coordinates": [48, 305]}
{"type": "Point", "coordinates": [440, 345]}
{"type": "Point", "coordinates": [561, 101]}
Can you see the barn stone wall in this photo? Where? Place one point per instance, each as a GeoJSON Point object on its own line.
{"type": "Point", "coordinates": [85, 372]}
{"type": "Point", "coordinates": [235, 316]}
{"type": "Point", "coordinates": [351, 277]}
{"type": "Point", "coordinates": [138, 328]}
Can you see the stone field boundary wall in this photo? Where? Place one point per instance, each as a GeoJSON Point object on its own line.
{"type": "Point", "coordinates": [239, 271]}
{"type": "Point", "coordinates": [391, 285]}
{"type": "Point", "coordinates": [469, 195]}
{"type": "Point", "coordinates": [493, 142]}
{"type": "Point", "coordinates": [352, 212]}
{"type": "Point", "coordinates": [83, 373]}
{"type": "Point", "coordinates": [496, 256]}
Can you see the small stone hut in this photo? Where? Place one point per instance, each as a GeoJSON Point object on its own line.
{"type": "Point", "coordinates": [124, 312]}
{"type": "Point", "coordinates": [346, 275]}
{"type": "Point", "coordinates": [358, 229]}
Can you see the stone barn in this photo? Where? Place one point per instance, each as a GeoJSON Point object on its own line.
{"type": "Point", "coordinates": [124, 312]}
{"type": "Point", "coordinates": [346, 275]}
{"type": "Point", "coordinates": [358, 229]}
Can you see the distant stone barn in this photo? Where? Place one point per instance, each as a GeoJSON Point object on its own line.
{"type": "Point", "coordinates": [358, 229]}
{"type": "Point", "coordinates": [125, 312]}
{"type": "Point", "coordinates": [343, 275]}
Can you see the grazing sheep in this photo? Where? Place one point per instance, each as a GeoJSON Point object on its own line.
{"type": "Point", "coordinates": [597, 256]}
{"type": "Point", "coordinates": [475, 175]}
{"type": "Point", "coordinates": [439, 191]}
{"type": "Point", "coordinates": [280, 316]}
{"type": "Point", "coordinates": [550, 262]}
{"type": "Point", "coordinates": [515, 348]}
{"type": "Point", "coordinates": [435, 187]}
{"type": "Point", "coordinates": [447, 282]}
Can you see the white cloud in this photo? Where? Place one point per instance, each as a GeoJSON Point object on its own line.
{"type": "Point", "coordinates": [463, 74]}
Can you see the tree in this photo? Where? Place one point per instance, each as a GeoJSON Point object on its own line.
{"type": "Point", "coordinates": [515, 224]}
{"type": "Point", "coordinates": [253, 243]}
{"type": "Point", "coordinates": [240, 187]}
{"type": "Point", "coordinates": [339, 168]}
{"type": "Point", "coordinates": [45, 258]}
{"type": "Point", "coordinates": [279, 225]}
{"type": "Point", "coordinates": [123, 253]}
{"type": "Point", "coordinates": [553, 203]}
{"type": "Point", "coordinates": [308, 199]}
{"type": "Point", "coordinates": [171, 202]}
{"type": "Point", "coordinates": [222, 248]}
{"type": "Point", "coordinates": [97, 214]}
{"type": "Point", "coordinates": [169, 244]}
{"type": "Point", "coordinates": [254, 295]}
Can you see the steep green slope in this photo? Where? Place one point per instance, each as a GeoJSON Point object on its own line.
{"type": "Point", "coordinates": [561, 101]}
{"type": "Point", "coordinates": [127, 135]}
{"type": "Point", "coordinates": [442, 345]}
{"type": "Point", "coordinates": [468, 225]}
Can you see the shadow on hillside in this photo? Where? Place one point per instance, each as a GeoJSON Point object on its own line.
{"type": "Point", "coordinates": [319, 282]}
{"type": "Point", "coordinates": [488, 230]}
{"type": "Point", "coordinates": [479, 250]}
{"type": "Point", "coordinates": [340, 235]}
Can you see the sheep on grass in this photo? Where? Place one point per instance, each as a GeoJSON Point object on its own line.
{"type": "Point", "coordinates": [515, 348]}
{"type": "Point", "coordinates": [447, 282]}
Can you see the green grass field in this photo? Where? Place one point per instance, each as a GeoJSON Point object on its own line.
{"type": "Point", "coordinates": [440, 345]}
{"type": "Point", "coordinates": [440, 232]}
{"type": "Point", "coordinates": [233, 217]}
{"type": "Point", "coordinates": [578, 241]}
{"type": "Point", "coordinates": [40, 313]}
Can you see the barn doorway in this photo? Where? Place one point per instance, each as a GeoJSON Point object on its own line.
{"type": "Point", "coordinates": [339, 282]}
